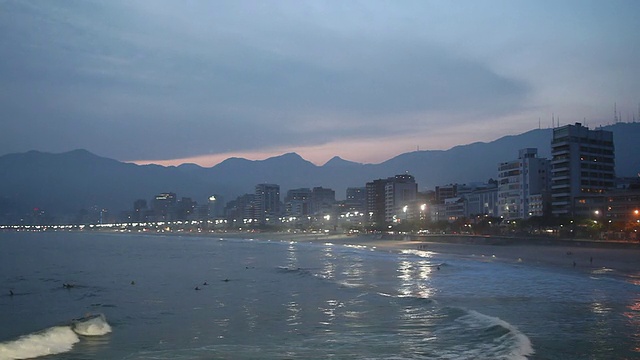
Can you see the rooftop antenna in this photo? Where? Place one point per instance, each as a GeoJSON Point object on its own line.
{"type": "Point", "coordinates": [553, 121]}
{"type": "Point", "coordinates": [538, 123]}
{"type": "Point", "coordinates": [615, 113]}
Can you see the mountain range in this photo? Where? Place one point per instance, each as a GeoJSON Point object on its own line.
{"type": "Point", "coordinates": [67, 182]}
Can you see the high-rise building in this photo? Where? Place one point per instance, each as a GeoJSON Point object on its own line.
{"type": "Point", "coordinates": [139, 209]}
{"type": "Point", "coordinates": [356, 199]}
{"type": "Point", "coordinates": [164, 206]}
{"type": "Point", "coordinates": [445, 192]}
{"type": "Point", "coordinates": [323, 200]}
{"type": "Point", "coordinates": [185, 208]}
{"type": "Point", "coordinates": [582, 164]}
{"type": "Point", "coordinates": [375, 201]}
{"type": "Point", "coordinates": [267, 203]}
{"type": "Point", "coordinates": [241, 211]}
{"type": "Point", "coordinates": [400, 192]}
{"type": "Point", "coordinates": [215, 206]}
{"type": "Point", "coordinates": [298, 202]}
{"type": "Point", "coordinates": [388, 199]}
{"type": "Point", "coordinates": [522, 183]}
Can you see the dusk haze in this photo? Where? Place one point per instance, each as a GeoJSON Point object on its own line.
{"type": "Point", "coordinates": [170, 82]}
{"type": "Point", "coordinates": [301, 179]}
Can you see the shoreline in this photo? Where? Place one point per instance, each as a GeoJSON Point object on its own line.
{"type": "Point", "coordinates": [591, 257]}
{"type": "Point", "coordinates": [595, 258]}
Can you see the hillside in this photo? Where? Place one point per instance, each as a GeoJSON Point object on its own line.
{"type": "Point", "coordinates": [68, 182]}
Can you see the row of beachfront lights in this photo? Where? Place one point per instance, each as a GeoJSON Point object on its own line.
{"type": "Point", "coordinates": [160, 224]}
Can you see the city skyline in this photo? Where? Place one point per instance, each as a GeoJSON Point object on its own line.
{"type": "Point", "coordinates": [168, 83]}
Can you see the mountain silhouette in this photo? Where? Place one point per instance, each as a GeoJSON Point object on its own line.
{"type": "Point", "coordinates": [75, 180]}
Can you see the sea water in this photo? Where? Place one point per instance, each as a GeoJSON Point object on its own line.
{"type": "Point", "coordinates": [189, 297]}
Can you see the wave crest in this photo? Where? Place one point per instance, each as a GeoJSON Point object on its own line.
{"type": "Point", "coordinates": [508, 342]}
{"type": "Point", "coordinates": [94, 325]}
{"type": "Point", "coordinates": [54, 340]}
{"type": "Point", "coordinates": [51, 341]}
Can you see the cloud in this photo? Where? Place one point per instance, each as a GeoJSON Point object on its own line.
{"type": "Point", "coordinates": [167, 80]}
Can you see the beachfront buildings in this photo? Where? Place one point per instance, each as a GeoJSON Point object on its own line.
{"type": "Point", "coordinates": [267, 203]}
{"type": "Point", "coordinates": [458, 201]}
{"type": "Point", "coordinates": [388, 200]}
{"type": "Point", "coordinates": [304, 202]}
{"type": "Point", "coordinates": [399, 193]}
{"type": "Point", "coordinates": [482, 201]}
{"type": "Point", "coordinates": [375, 201]}
{"type": "Point", "coordinates": [239, 211]}
{"type": "Point", "coordinates": [322, 200]}
{"type": "Point", "coordinates": [523, 186]}
{"type": "Point", "coordinates": [582, 165]}
{"type": "Point", "coordinates": [356, 199]}
{"type": "Point", "coordinates": [215, 206]}
{"type": "Point", "coordinates": [163, 206]}
{"type": "Point", "coordinates": [297, 203]}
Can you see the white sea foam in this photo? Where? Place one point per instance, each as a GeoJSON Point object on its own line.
{"type": "Point", "coordinates": [519, 344]}
{"type": "Point", "coordinates": [354, 246]}
{"type": "Point", "coordinates": [417, 252]}
{"type": "Point", "coordinates": [91, 326]}
{"type": "Point", "coordinates": [55, 340]}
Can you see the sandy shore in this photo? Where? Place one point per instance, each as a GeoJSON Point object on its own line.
{"type": "Point", "coordinates": [593, 258]}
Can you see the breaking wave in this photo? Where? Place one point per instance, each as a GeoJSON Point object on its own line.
{"type": "Point", "coordinates": [499, 339]}
{"type": "Point", "coordinates": [54, 340]}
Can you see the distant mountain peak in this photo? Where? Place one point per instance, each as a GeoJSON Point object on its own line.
{"type": "Point", "coordinates": [287, 156]}
{"type": "Point", "coordinates": [79, 151]}
{"type": "Point", "coordinates": [337, 161]}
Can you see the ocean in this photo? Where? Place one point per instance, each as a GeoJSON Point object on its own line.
{"type": "Point", "coordinates": [190, 297]}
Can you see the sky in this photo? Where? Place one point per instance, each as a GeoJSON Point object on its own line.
{"type": "Point", "coordinates": [171, 82]}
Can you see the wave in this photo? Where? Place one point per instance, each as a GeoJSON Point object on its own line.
{"type": "Point", "coordinates": [93, 325]}
{"type": "Point", "coordinates": [54, 340]}
{"type": "Point", "coordinates": [502, 340]}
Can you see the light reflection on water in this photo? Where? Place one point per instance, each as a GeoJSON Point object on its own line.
{"type": "Point", "coordinates": [287, 300]}
{"type": "Point", "coordinates": [328, 265]}
{"type": "Point", "coordinates": [414, 276]}
{"type": "Point", "coordinates": [293, 319]}
{"type": "Point", "coordinates": [633, 316]}
{"type": "Point", "coordinates": [292, 256]}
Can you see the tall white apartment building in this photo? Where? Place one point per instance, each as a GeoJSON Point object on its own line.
{"type": "Point", "coordinates": [522, 183]}
{"type": "Point", "coordinates": [582, 165]}
{"type": "Point", "coordinates": [400, 192]}
{"type": "Point", "coordinates": [267, 203]}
